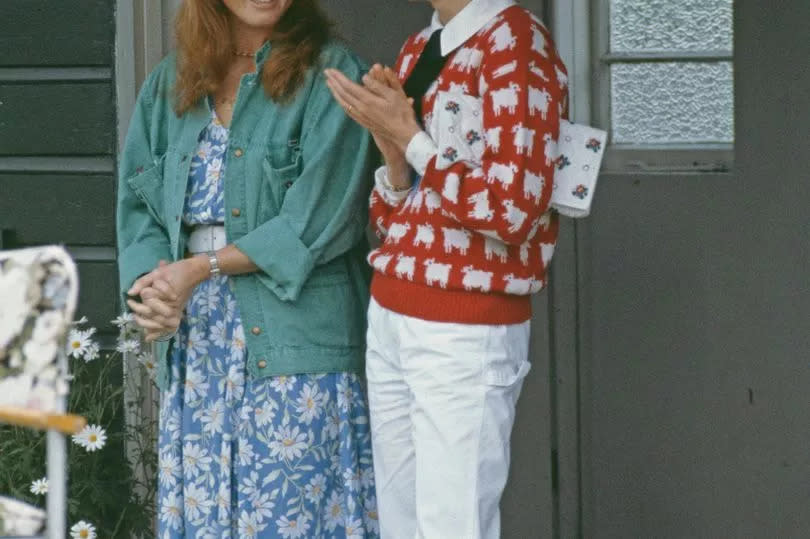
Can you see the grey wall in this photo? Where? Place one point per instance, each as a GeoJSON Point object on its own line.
{"type": "Point", "coordinates": [695, 393]}
{"type": "Point", "coordinates": [57, 137]}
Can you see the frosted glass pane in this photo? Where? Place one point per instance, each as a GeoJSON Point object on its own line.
{"type": "Point", "coordinates": [670, 25]}
{"type": "Point", "coordinates": [672, 102]}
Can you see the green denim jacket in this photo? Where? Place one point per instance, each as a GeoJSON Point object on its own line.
{"type": "Point", "coordinates": [296, 191]}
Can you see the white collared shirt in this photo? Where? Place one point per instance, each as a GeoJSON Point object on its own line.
{"type": "Point", "coordinates": [467, 22]}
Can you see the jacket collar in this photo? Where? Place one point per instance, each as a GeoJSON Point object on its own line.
{"type": "Point", "coordinates": [467, 22]}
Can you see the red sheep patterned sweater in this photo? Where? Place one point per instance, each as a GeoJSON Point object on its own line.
{"type": "Point", "coordinates": [472, 241]}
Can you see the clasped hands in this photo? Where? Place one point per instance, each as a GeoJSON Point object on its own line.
{"type": "Point", "coordinates": [381, 106]}
{"type": "Point", "coordinates": [164, 293]}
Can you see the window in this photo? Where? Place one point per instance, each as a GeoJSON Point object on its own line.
{"type": "Point", "coordinates": [664, 85]}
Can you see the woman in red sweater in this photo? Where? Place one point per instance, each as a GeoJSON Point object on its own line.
{"type": "Point", "coordinates": [467, 123]}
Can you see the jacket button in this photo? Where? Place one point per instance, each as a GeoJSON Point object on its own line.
{"type": "Point", "coordinates": [262, 364]}
{"type": "Point", "coordinates": [236, 212]}
{"type": "Point", "coordinates": [238, 152]}
{"type": "Point", "coordinates": [256, 330]}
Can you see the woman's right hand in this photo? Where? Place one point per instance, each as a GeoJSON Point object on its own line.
{"type": "Point", "coordinates": [398, 168]}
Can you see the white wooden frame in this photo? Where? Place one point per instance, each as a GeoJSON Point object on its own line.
{"type": "Point", "coordinates": [652, 158]}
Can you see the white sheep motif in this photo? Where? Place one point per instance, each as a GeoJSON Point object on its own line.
{"type": "Point", "coordinates": [437, 273]}
{"type": "Point", "coordinates": [493, 247]}
{"type": "Point", "coordinates": [502, 173]}
{"type": "Point", "coordinates": [524, 139]}
{"type": "Point", "coordinates": [505, 98]}
{"type": "Point", "coordinates": [502, 38]}
{"type": "Point", "coordinates": [405, 266]}
{"type": "Point", "coordinates": [481, 210]}
{"type": "Point", "coordinates": [456, 239]}
{"type": "Point", "coordinates": [538, 102]}
{"type": "Point", "coordinates": [398, 231]}
{"type": "Point", "coordinates": [476, 279]}
{"type": "Point", "coordinates": [424, 236]}
{"type": "Point", "coordinates": [513, 215]}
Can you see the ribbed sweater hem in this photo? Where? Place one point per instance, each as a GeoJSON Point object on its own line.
{"type": "Point", "coordinates": [456, 306]}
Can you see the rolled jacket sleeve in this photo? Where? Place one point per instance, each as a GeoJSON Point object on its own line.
{"type": "Point", "coordinates": [142, 239]}
{"type": "Point", "coordinates": [324, 211]}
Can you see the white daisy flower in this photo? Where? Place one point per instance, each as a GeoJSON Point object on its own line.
{"type": "Point", "coordinates": [230, 313]}
{"type": "Point", "coordinates": [91, 437]}
{"type": "Point", "coordinates": [345, 393]}
{"type": "Point", "coordinates": [354, 529]}
{"type": "Point", "coordinates": [282, 384]}
{"type": "Point", "coordinates": [40, 486]}
{"type": "Point", "coordinates": [249, 525]}
{"type": "Point", "coordinates": [293, 529]}
{"type": "Point", "coordinates": [223, 499]}
{"type": "Point", "coordinates": [83, 530]}
{"type": "Point", "coordinates": [333, 512]}
{"type": "Point", "coordinates": [371, 516]}
{"type": "Point", "coordinates": [125, 322]}
{"type": "Point", "coordinates": [309, 403]}
{"type": "Point", "coordinates": [250, 485]}
{"type": "Point", "coordinates": [93, 352]}
{"type": "Point", "coordinates": [197, 345]}
{"type": "Point", "coordinates": [171, 510]}
{"type": "Point", "coordinates": [316, 488]}
{"type": "Point", "coordinates": [219, 334]}
{"type": "Point", "coordinates": [196, 385]}
{"type": "Point", "coordinates": [169, 466]}
{"type": "Point", "coordinates": [204, 149]}
{"type": "Point", "coordinates": [233, 384]}
{"type": "Point", "coordinates": [148, 361]}
{"type": "Point", "coordinates": [331, 427]}
{"type": "Point", "coordinates": [265, 413]}
{"type": "Point", "coordinates": [80, 321]}
{"type": "Point", "coordinates": [289, 444]}
{"type": "Point", "coordinates": [263, 506]}
{"type": "Point", "coordinates": [129, 345]}
{"type": "Point", "coordinates": [367, 477]}
{"type": "Point", "coordinates": [195, 459]}
{"type": "Point", "coordinates": [246, 453]}
{"type": "Point", "coordinates": [351, 478]}
{"type": "Point", "coordinates": [78, 342]}
{"type": "Point", "coordinates": [196, 501]}
{"type": "Point", "coordinates": [212, 416]}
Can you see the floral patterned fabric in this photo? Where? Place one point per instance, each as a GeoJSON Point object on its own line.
{"type": "Point", "coordinates": [283, 456]}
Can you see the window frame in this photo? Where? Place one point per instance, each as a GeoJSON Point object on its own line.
{"type": "Point", "coordinates": [644, 158]}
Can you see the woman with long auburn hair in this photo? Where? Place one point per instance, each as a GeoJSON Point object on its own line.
{"type": "Point", "coordinates": [241, 234]}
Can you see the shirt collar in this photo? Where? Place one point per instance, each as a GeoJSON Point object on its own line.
{"type": "Point", "coordinates": [467, 22]}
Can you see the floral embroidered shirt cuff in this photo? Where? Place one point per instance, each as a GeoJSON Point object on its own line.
{"type": "Point", "coordinates": [421, 149]}
{"type": "Point", "coordinates": [391, 196]}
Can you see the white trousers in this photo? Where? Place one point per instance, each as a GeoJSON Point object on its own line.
{"type": "Point", "coordinates": [442, 399]}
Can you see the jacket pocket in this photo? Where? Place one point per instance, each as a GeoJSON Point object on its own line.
{"type": "Point", "coordinates": [148, 186]}
{"type": "Point", "coordinates": [457, 128]}
{"type": "Point", "coordinates": [276, 182]}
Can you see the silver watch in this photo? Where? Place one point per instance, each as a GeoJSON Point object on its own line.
{"type": "Point", "coordinates": [212, 260]}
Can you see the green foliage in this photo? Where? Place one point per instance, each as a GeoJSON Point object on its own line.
{"type": "Point", "coordinates": [104, 486]}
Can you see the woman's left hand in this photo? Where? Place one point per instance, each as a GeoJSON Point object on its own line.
{"type": "Point", "coordinates": [380, 109]}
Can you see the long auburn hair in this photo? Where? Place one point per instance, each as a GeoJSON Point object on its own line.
{"type": "Point", "coordinates": [205, 49]}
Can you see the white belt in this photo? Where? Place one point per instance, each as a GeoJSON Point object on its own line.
{"type": "Point", "coordinates": [206, 238]}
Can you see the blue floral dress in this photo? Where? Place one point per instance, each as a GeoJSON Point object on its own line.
{"type": "Point", "coordinates": [286, 456]}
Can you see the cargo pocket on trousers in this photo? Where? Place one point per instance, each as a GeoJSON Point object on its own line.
{"type": "Point", "coordinates": [505, 372]}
